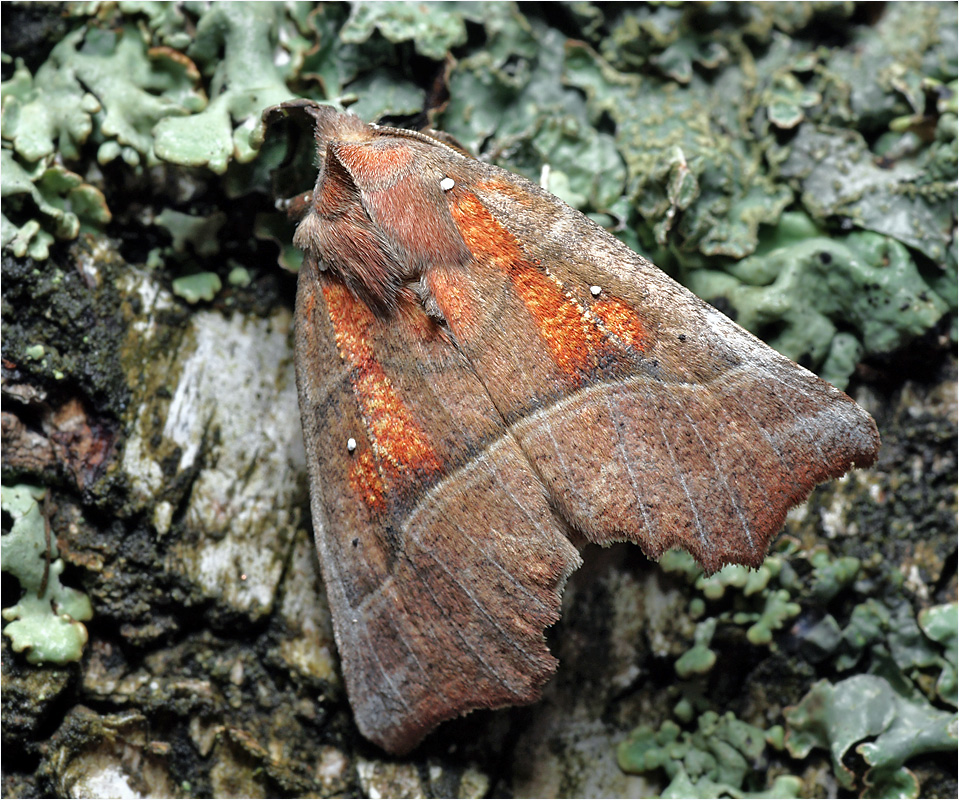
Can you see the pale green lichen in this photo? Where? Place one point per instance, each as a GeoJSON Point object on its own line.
{"type": "Point", "coordinates": [47, 622]}
{"type": "Point", "coordinates": [786, 101]}
{"type": "Point", "coordinates": [671, 138]}
{"type": "Point", "coordinates": [139, 100]}
{"type": "Point", "coordinates": [891, 722]}
{"type": "Point", "coordinates": [432, 28]}
{"type": "Point", "coordinates": [941, 625]}
{"type": "Point", "coordinates": [532, 116]}
{"type": "Point", "coordinates": [102, 83]}
{"type": "Point", "coordinates": [276, 228]}
{"type": "Point", "coordinates": [680, 59]}
{"type": "Point", "coordinates": [831, 575]}
{"type": "Point", "coordinates": [908, 198]}
{"type": "Point", "coordinates": [881, 633]}
{"type": "Point", "coordinates": [35, 352]}
{"type": "Point", "coordinates": [699, 659]}
{"type": "Point", "coordinates": [890, 714]}
{"type": "Point", "coordinates": [800, 286]}
{"type": "Point", "coordinates": [197, 287]}
{"type": "Point", "coordinates": [97, 84]}
{"type": "Point", "coordinates": [905, 664]}
{"type": "Point", "coordinates": [716, 760]}
{"type": "Point", "coordinates": [760, 604]}
{"type": "Point", "coordinates": [167, 20]}
{"type": "Point", "coordinates": [777, 610]}
{"type": "Point", "coordinates": [64, 202]}
{"type": "Point", "coordinates": [882, 76]}
{"type": "Point", "coordinates": [238, 43]}
{"type": "Point", "coordinates": [240, 277]}
{"type": "Point", "coordinates": [192, 233]}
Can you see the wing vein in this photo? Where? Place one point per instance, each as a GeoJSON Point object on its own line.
{"type": "Point", "coordinates": [707, 545]}
{"type": "Point", "coordinates": [479, 606]}
{"type": "Point", "coordinates": [629, 468]}
{"type": "Point", "coordinates": [719, 473]}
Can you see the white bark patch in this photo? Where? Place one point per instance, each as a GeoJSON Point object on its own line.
{"type": "Point", "coordinates": [236, 398]}
{"type": "Point", "coordinates": [229, 408]}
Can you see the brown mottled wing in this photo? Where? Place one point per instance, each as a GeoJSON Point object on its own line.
{"type": "Point", "coordinates": [442, 561]}
{"type": "Point", "coordinates": [494, 356]}
{"type": "Point", "coordinates": [650, 416]}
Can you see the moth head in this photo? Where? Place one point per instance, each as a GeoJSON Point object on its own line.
{"type": "Point", "coordinates": [378, 218]}
{"type": "Point", "coordinates": [338, 235]}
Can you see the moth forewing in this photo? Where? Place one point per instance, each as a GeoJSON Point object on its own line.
{"type": "Point", "coordinates": [481, 370]}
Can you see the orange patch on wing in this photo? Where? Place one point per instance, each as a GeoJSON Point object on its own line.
{"type": "Point", "coordinates": [623, 322]}
{"type": "Point", "coordinates": [447, 287]}
{"type": "Point", "coordinates": [366, 481]}
{"type": "Point", "coordinates": [402, 454]}
{"type": "Point", "coordinates": [573, 341]}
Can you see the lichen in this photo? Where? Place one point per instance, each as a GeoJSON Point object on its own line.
{"type": "Point", "coordinates": [824, 300]}
{"type": "Point", "coordinates": [63, 201]}
{"type": "Point", "coordinates": [192, 233]}
{"type": "Point", "coordinates": [100, 85]}
{"type": "Point", "coordinates": [940, 623]}
{"type": "Point", "coordinates": [760, 605]}
{"type": "Point", "coordinates": [197, 287]}
{"type": "Point", "coordinates": [433, 29]}
{"type": "Point", "coordinates": [906, 196]}
{"type": "Point", "coordinates": [898, 722]}
{"type": "Point", "coordinates": [47, 622]}
{"type": "Point", "coordinates": [236, 44]}
{"type": "Point", "coordinates": [904, 663]}
{"type": "Point", "coordinates": [715, 760]}
{"type": "Point", "coordinates": [531, 116]}
{"type": "Point", "coordinates": [103, 82]}
{"type": "Point", "coordinates": [126, 90]}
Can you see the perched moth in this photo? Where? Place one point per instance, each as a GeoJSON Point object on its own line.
{"type": "Point", "coordinates": [484, 372]}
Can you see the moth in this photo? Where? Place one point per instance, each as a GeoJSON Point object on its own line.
{"type": "Point", "coordinates": [485, 374]}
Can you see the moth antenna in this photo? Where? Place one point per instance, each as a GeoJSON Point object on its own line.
{"type": "Point", "coordinates": [430, 137]}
